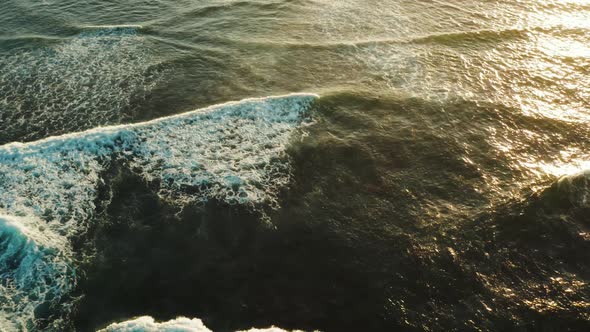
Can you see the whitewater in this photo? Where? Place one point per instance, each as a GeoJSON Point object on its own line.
{"type": "Point", "coordinates": [232, 152]}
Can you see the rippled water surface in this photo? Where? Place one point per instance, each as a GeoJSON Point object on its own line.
{"type": "Point", "coordinates": [351, 166]}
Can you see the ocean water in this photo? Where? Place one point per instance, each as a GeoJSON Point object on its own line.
{"type": "Point", "coordinates": [235, 165]}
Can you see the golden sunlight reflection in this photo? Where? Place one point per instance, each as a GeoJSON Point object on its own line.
{"type": "Point", "coordinates": [558, 49]}
{"type": "Point", "coordinates": [559, 169]}
{"type": "Point", "coordinates": [564, 48]}
{"type": "Point", "coordinates": [570, 162]}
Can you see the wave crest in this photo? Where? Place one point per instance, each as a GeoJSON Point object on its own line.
{"type": "Point", "coordinates": [34, 271]}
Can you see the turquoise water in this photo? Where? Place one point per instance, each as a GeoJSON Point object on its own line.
{"type": "Point", "coordinates": [403, 165]}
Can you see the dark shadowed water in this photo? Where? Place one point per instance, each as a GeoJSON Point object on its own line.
{"type": "Point", "coordinates": [405, 165]}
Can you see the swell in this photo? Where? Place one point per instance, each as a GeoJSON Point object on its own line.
{"type": "Point", "coordinates": [497, 243]}
{"type": "Point", "coordinates": [493, 36]}
{"type": "Point", "coordinates": [246, 6]}
{"type": "Point", "coordinates": [446, 38]}
{"type": "Point", "coordinates": [487, 145]}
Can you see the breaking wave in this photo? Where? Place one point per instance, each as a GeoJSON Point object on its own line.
{"type": "Point", "coordinates": [181, 324]}
{"type": "Point", "coordinates": [34, 271]}
{"type": "Point", "coordinates": [233, 152]}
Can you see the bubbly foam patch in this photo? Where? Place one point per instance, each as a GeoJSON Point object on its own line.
{"type": "Point", "coordinates": [55, 179]}
{"type": "Point", "coordinates": [234, 153]}
{"type": "Point", "coordinates": [148, 324]}
{"type": "Point", "coordinates": [84, 82]}
{"type": "Point", "coordinates": [181, 324]}
{"type": "Point", "coordinates": [34, 270]}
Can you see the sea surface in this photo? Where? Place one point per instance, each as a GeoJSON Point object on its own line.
{"type": "Point", "coordinates": [331, 165]}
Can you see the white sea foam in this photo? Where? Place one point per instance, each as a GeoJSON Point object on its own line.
{"type": "Point", "coordinates": [34, 270]}
{"type": "Point", "coordinates": [181, 324]}
{"type": "Point", "coordinates": [148, 324]}
{"type": "Point", "coordinates": [233, 152]}
{"type": "Point", "coordinates": [83, 82]}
